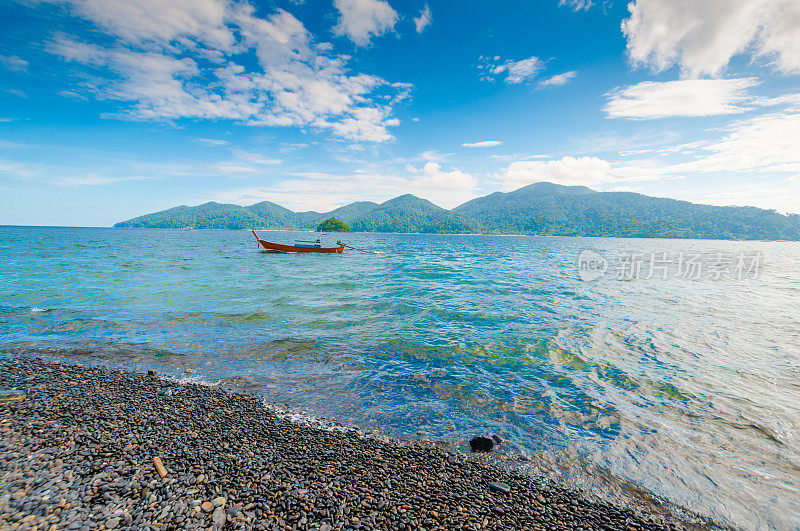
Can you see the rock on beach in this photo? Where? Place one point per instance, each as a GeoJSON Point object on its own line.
{"type": "Point", "coordinates": [78, 453]}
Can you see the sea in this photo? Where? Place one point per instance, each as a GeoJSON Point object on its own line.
{"type": "Point", "coordinates": [663, 369]}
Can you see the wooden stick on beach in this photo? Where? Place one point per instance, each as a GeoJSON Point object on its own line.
{"type": "Point", "coordinates": [160, 467]}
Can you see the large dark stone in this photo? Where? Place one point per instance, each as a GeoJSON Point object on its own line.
{"type": "Point", "coordinates": [481, 444]}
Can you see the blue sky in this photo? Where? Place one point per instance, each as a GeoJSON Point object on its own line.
{"type": "Point", "coordinates": [110, 109]}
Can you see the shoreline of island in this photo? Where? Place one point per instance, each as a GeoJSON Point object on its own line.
{"type": "Point", "coordinates": [85, 447]}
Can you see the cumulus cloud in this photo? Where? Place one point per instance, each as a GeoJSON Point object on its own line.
{"type": "Point", "coordinates": [688, 97]}
{"type": "Point", "coordinates": [483, 144]}
{"type": "Point", "coordinates": [142, 21]}
{"type": "Point", "coordinates": [445, 188]}
{"type": "Point", "coordinates": [702, 37]}
{"type": "Point", "coordinates": [512, 72]}
{"type": "Point", "coordinates": [360, 20]}
{"type": "Point", "coordinates": [582, 171]}
{"type": "Point", "coordinates": [181, 62]}
{"type": "Point", "coordinates": [558, 80]}
{"type": "Point", "coordinates": [324, 191]}
{"type": "Point", "coordinates": [569, 171]}
{"type": "Point", "coordinates": [424, 19]}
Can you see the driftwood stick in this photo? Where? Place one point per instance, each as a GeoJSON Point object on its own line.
{"type": "Point", "coordinates": [160, 467]}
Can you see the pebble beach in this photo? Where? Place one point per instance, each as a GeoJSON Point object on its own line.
{"type": "Point", "coordinates": [96, 448]}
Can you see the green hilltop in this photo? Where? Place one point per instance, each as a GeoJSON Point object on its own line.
{"type": "Point", "coordinates": [537, 209]}
{"type": "Point", "coordinates": [409, 213]}
{"type": "Point", "coordinates": [333, 225]}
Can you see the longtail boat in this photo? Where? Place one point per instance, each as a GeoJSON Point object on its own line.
{"type": "Point", "coordinates": [299, 246]}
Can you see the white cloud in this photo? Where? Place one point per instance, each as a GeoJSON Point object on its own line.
{"type": "Point", "coordinates": [701, 37]}
{"type": "Point", "coordinates": [577, 5]}
{"type": "Point", "coordinates": [92, 180]}
{"type": "Point", "coordinates": [756, 160]}
{"type": "Point", "coordinates": [435, 156]}
{"type": "Point", "coordinates": [514, 72]}
{"type": "Point", "coordinates": [569, 171]}
{"type": "Point", "coordinates": [143, 21]}
{"type": "Point", "coordinates": [783, 195]}
{"type": "Point", "coordinates": [483, 144]}
{"type": "Point", "coordinates": [447, 189]}
{"type": "Point", "coordinates": [322, 191]}
{"type": "Point", "coordinates": [424, 19]}
{"type": "Point", "coordinates": [179, 62]}
{"type": "Point", "coordinates": [520, 71]}
{"type": "Point", "coordinates": [558, 80]}
{"type": "Point", "coordinates": [360, 20]}
{"type": "Point", "coordinates": [235, 169]}
{"type": "Point", "coordinates": [212, 142]}
{"type": "Point", "coordinates": [767, 143]}
{"type": "Point", "coordinates": [761, 150]}
{"type": "Point", "coordinates": [689, 97]}
{"type": "Point", "coordinates": [17, 170]}
{"type": "Point", "coordinates": [14, 63]}
{"type": "Point", "coordinates": [254, 158]}
{"type": "Point", "coordinates": [581, 171]}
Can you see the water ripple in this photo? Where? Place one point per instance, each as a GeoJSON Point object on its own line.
{"type": "Point", "coordinates": [690, 389]}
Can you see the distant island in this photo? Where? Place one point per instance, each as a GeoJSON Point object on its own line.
{"type": "Point", "coordinates": [538, 209]}
{"type": "Point", "coordinates": [333, 225]}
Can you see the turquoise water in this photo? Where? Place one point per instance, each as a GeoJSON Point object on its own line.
{"type": "Point", "coordinates": [687, 387]}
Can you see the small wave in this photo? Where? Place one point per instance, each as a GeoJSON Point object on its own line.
{"type": "Point", "coordinates": [307, 419]}
{"type": "Point", "coordinates": [36, 309]}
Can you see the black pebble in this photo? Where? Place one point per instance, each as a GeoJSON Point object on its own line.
{"type": "Point", "coordinates": [497, 486]}
{"type": "Point", "coordinates": [481, 444]}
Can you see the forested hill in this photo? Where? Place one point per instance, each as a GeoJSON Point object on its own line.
{"type": "Point", "coordinates": [409, 213]}
{"type": "Point", "coordinates": [263, 215]}
{"type": "Point", "coordinates": [541, 208]}
{"type": "Point", "coordinates": [545, 208]}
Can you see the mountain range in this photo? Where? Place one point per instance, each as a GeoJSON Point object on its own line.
{"type": "Point", "coordinates": [537, 209]}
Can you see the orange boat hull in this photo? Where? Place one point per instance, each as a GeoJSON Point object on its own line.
{"type": "Point", "coordinates": [281, 248]}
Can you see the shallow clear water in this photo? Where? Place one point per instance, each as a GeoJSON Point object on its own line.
{"type": "Point", "coordinates": [687, 387]}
